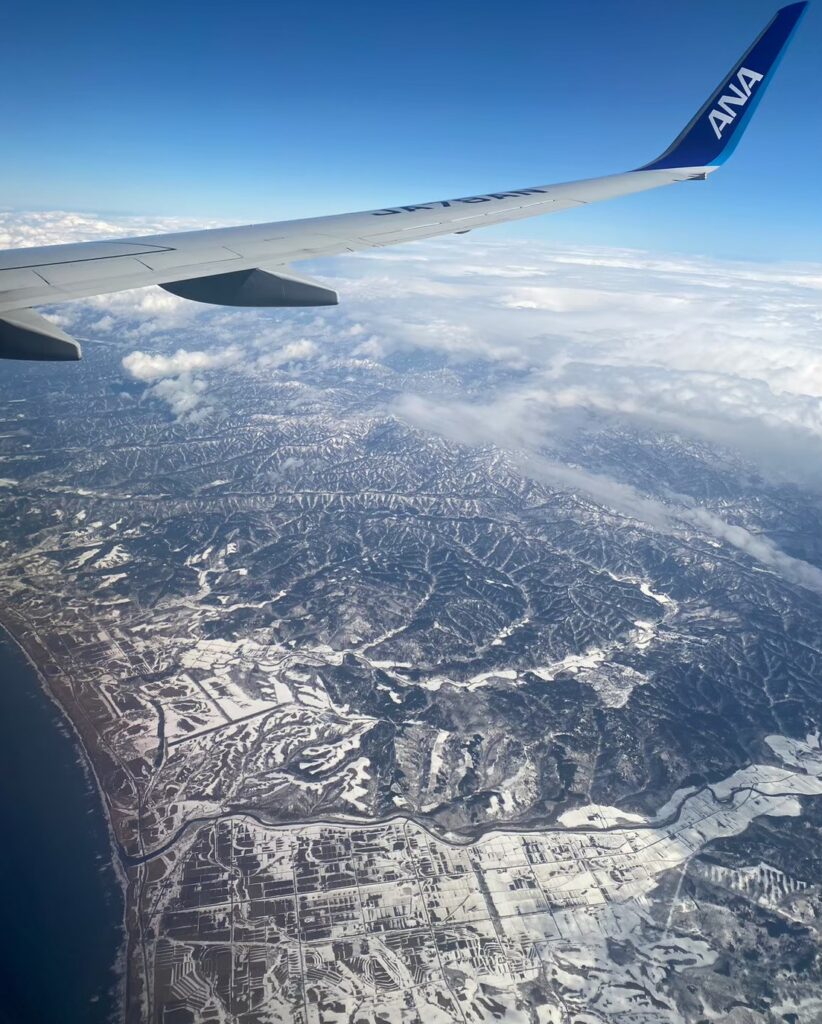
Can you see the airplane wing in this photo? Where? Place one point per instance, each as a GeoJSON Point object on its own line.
{"type": "Point", "coordinates": [249, 266]}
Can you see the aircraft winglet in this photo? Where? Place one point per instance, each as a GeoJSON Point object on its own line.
{"type": "Point", "coordinates": [715, 132]}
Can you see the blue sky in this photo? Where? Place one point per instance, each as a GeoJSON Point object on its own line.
{"type": "Point", "coordinates": [263, 111]}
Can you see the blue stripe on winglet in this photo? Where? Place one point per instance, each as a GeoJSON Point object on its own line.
{"type": "Point", "coordinates": [714, 133]}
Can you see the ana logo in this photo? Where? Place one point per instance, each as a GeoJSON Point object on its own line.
{"type": "Point", "coordinates": [737, 96]}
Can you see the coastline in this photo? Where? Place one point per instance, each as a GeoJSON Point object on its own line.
{"type": "Point", "coordinates": [119, 965]}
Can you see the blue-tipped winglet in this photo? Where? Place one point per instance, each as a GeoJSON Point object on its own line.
{"type": "Point", "coordinates": [716, 130]}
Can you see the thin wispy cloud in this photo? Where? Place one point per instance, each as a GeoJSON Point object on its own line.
{"type": "Point", "coordinates": [476, 425]}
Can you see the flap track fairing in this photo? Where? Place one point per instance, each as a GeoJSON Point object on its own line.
{"type": "Point", "coordinates": [25, 334]}
{"type": "Point", "coordinates": [254, 288]}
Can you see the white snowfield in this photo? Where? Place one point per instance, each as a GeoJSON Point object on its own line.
{"type": "Point", "coordinates": [393, 923]}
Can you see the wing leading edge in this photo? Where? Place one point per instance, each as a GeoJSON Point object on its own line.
{"type": "Point", "coordinates": [249, 266]}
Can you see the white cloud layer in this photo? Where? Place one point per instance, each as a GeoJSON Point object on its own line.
{"type": "Point", "coordinates": [729, 353]}
{"type": "Point", "coordinates": [55, 227]}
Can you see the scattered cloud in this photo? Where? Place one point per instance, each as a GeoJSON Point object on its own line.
{"type": "Point", "coordinates": [184, 397]}
{"type": "Point", "coordinates": [295, 351]}
{"type": "Point", "coordinates": [181, 379]}
{"type": "Point", "coordinates": [173, 378]}
{"type": "Point", "coordinates": [148, 366]}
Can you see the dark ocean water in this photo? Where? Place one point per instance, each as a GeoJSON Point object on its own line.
{"type": "Point", "coordinates": [61, 907]}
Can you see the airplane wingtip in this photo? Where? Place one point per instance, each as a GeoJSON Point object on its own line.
{"type": "Point", "coordinates": [713, 134]}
